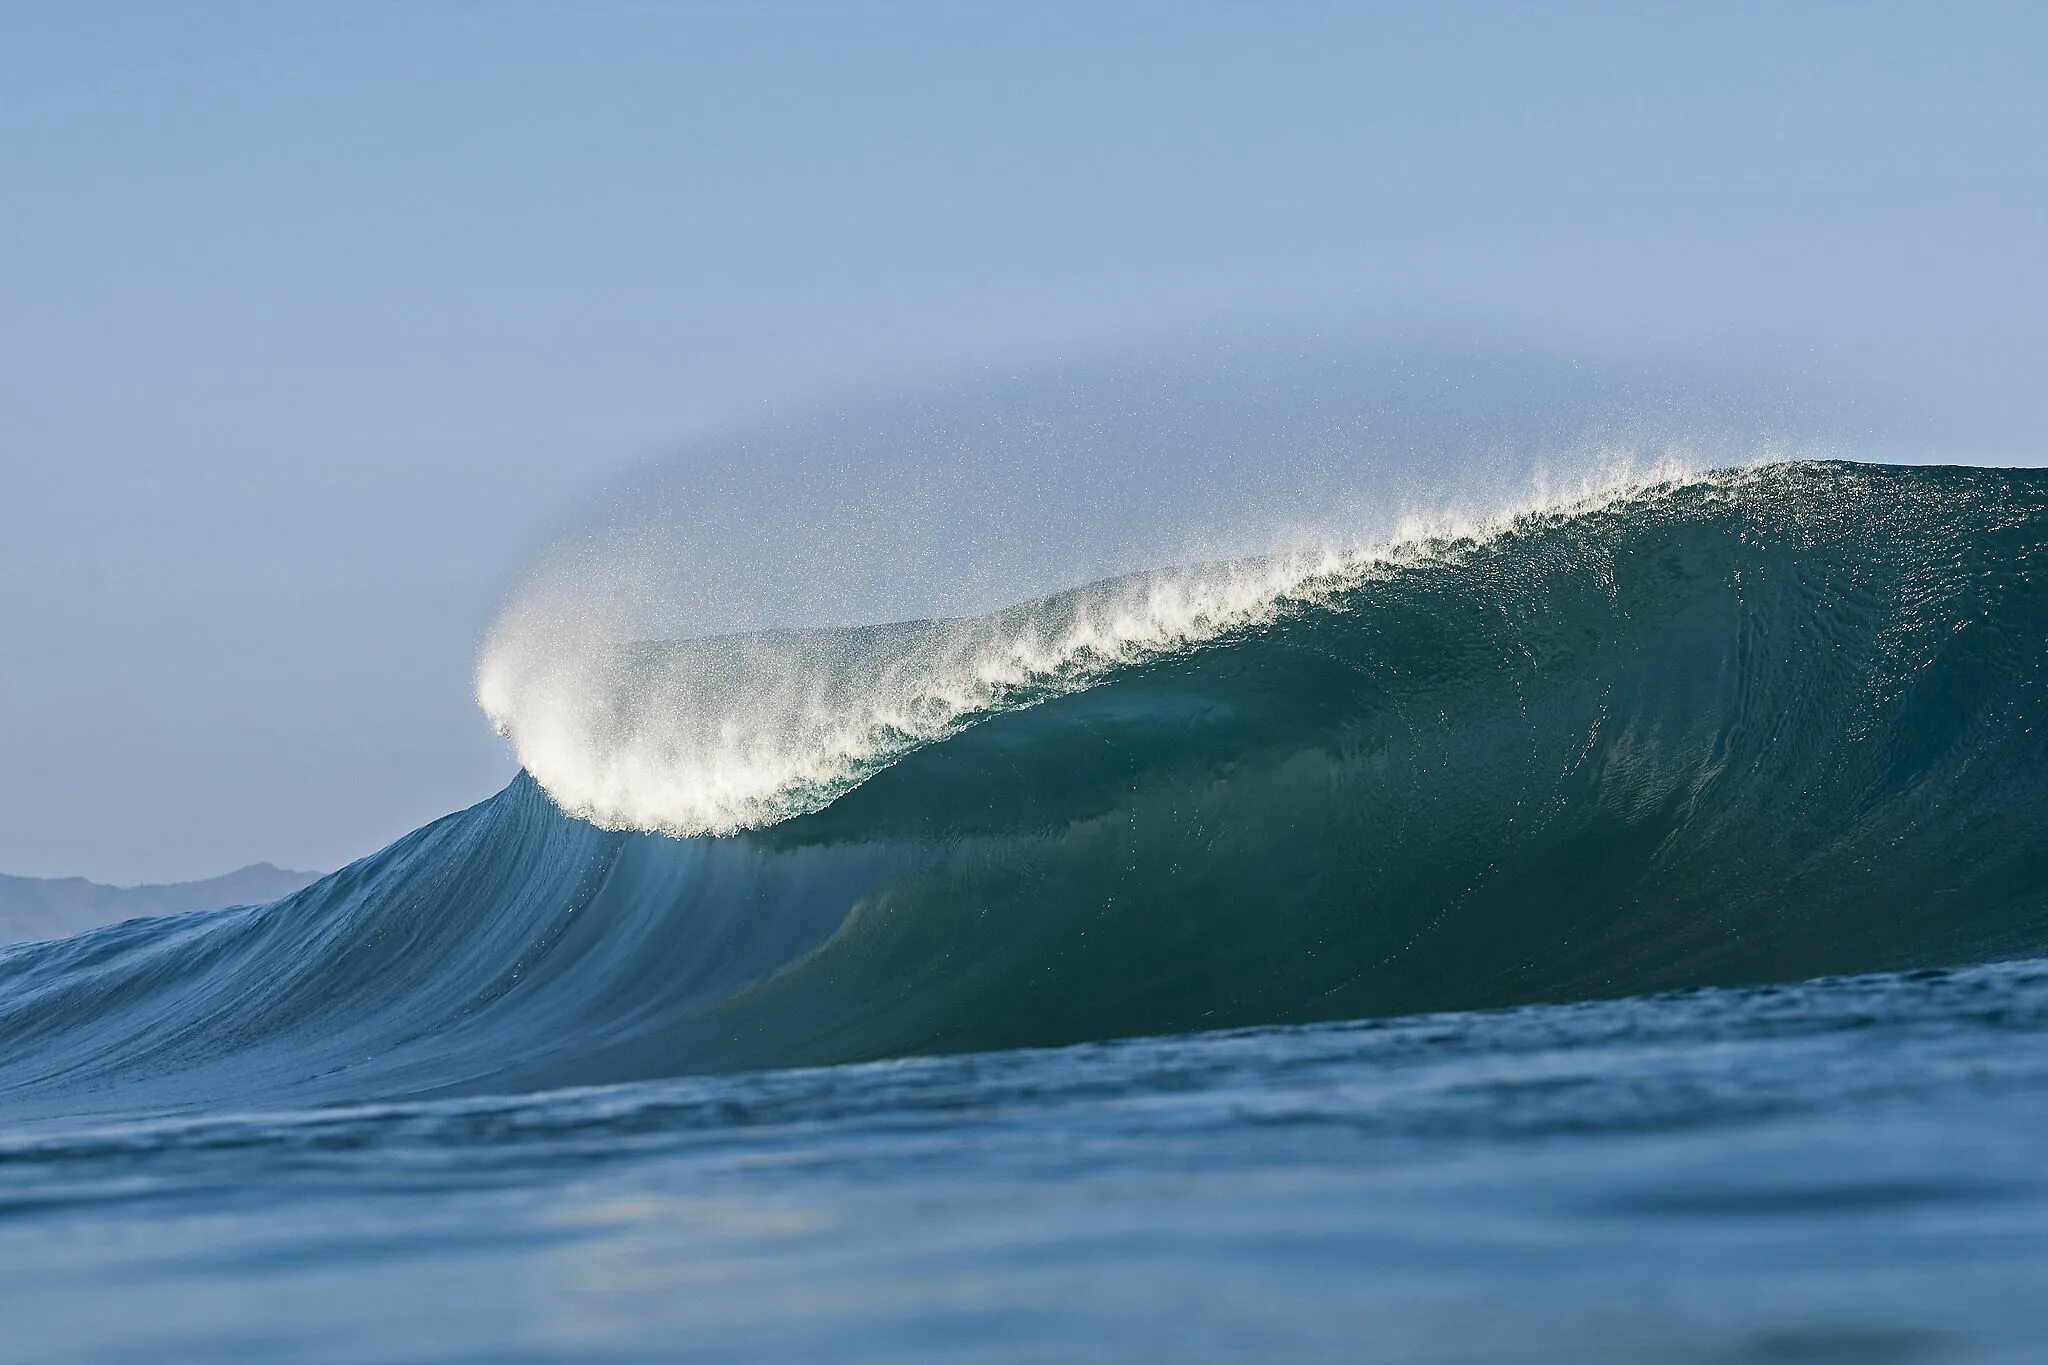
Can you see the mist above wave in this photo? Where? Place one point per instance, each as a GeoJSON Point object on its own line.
{"type": "Point", "coordinates": [683, 659]}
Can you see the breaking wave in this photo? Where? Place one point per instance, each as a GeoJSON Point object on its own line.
{"type": "Point", "coordinates": [1725, 729]}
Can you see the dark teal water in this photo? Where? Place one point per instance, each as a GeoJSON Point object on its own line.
{"type": "Point", "coordinates": [1619, 939]}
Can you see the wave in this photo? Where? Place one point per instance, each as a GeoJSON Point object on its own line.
{"type": "Point", "coordinates": [1729, 730]}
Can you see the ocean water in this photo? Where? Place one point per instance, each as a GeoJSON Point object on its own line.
{"type": "Point", "coordinates": [1616, 935]}
{"type": "Point", "coordinates": [1849, 1169]}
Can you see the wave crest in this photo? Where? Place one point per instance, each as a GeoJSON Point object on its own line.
{"type": "Point", "coordinates": [744, 730]}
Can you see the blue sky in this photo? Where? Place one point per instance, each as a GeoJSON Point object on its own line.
{"type": "Point", "coordinates": [317, 318]}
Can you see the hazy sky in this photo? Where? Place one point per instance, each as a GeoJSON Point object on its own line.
{"type": "Point", "coordinates": [314, 319]}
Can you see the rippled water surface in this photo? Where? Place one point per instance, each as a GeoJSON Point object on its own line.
{"type": "Point", "coordinates": [1853, 1168]}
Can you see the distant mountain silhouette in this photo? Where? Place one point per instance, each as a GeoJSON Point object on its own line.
{"type": "Point", "coordinates": [57, 907]}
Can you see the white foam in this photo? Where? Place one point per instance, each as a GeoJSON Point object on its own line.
{"type": "Point", "coordinates": [716, 735]}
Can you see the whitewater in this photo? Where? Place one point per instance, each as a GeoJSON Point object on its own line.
{"type": "Point", "coordinates": [736, 732]}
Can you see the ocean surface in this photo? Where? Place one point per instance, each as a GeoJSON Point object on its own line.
{"type": "Point", "coordinates": [1619, 934]}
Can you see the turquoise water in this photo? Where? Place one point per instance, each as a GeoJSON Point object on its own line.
{"type": "Point", "coordinates": [1614, 939]}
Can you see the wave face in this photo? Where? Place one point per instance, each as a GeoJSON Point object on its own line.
{"type": "Point", "coordinates": [1762, 727]}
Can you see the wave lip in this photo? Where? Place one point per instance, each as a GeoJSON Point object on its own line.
{"type": "Point", "coordinates": [1761, 728]}
{"type": "Point", "coordinates": [740, 731]}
